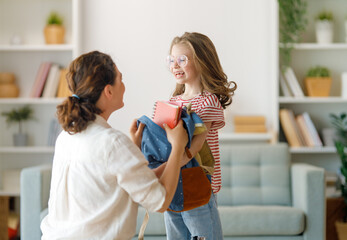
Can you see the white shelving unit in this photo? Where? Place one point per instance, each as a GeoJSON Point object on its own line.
{"type": "Point", "coordinates": [334, 56]}
{"type": "Point", "coordinates": [26, 19]}
{"type": "Point", "coordinates": [227, 137]}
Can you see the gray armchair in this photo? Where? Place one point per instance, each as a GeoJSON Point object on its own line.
{"type": "Point", "coordinates": [35, 185]}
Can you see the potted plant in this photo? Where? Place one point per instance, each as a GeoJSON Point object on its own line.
{"type": "Point", "coordinates": [19, 116]}
{"type": "Point", "coordinates": [340, 124]}
{"type": "Point", "coordinates": [318, 82]}
{"type": "Point", "coordinates": [324, 27]}
{"type": "Point", "coordinates": [292, 22]}
{"type": "Point", "coordinates": [54, 30]}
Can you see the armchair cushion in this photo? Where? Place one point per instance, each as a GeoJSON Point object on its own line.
{"type": "Point", "coordinates": [261, 221]}
{"type": "Point", "coordinates": [255, 175]}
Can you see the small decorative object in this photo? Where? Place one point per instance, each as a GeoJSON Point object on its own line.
{"type": "Point", "coordinates": [324, 28]}
{"type": "Point", "coordinates": [8, 87]}
{"type": "Point", "coordinates": [318, 82]}
{"type": "Point", "coordinates": [329, 136]}
{"type": "Point", "coordinates": [340, 124]}
{"type": "Point", "coordinates": [16, 40]}
{"type": "Point", "coordinates": [54, 30]}
{"type": "Point", "coordinates": [19, 116]}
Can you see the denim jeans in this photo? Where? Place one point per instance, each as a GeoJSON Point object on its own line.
{"type": "Point", "coordinates": [203, 221]}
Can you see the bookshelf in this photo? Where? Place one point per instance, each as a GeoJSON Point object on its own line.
{"type": "Point", "coordinates": [334, 56]}
{"type": "Point", "coordinates": [23, 60]}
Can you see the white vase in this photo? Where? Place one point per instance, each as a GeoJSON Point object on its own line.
{"type": "Point", "coordinates": [20, 139]}
{"type": "Point", "coordinates": [324, 31]}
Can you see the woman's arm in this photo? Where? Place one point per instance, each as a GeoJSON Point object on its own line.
{"type": "Point", "coordinates": [178, 138]}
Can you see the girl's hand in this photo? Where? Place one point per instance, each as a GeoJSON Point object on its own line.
{"type": "Point", "coordinates": [177, 136]}
{"type": "Point", "coordinates": [136, 133]}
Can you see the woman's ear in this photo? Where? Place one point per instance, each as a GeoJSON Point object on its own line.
{"type": "Point", "coordinates": [108, 91]}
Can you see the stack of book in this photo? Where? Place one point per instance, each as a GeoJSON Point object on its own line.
{"type": "Point", "coordinates": [299, 130]}
{"type": "Point", "coordinates": [249, 124]}
{"type": "Point", "coordinates": [50, 82]}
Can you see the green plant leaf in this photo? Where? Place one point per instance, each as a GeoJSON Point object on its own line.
{"type": "Point", "coordinates": [293, 21]}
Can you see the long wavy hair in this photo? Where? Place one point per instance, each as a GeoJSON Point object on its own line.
{"type": "Point", "coordinates": [87, 77]}
{"type": "Point", "coordinates": [213, 78]}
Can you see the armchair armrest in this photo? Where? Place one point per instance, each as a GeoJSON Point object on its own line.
{"type": "Point", "coordinates": [308, 193]}
{"type": "Point", "coordinates": [35, 186]}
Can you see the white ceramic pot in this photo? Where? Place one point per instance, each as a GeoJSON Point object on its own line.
{"type": "Point", "coordinates": [324, 31]}
{"type": "Point", "coordinates": [20, 139]}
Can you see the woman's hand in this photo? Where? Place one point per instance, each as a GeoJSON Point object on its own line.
{"type": "Point", "coordinates": [136, 132]}
{"type": "Point", "coordinates": [177, 136]}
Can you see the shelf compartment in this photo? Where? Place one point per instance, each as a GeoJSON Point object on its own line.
{"type": "Point", "coordinates": [39, 47]}
{"type": "Point", "coordinates": [316, 46]}
{"type": "Point", "coordinates": [10, 183]}
{"type": "Point", "coordinates": [245, 136]}
{"type": "Point", "coordinates": [310, 150]}
{"type": "Point", "coordinates": [23, 150]}
{"type": "Point", "coordinates": [31, 100]}
{"type": "Point", "coordinates": [283, 100]}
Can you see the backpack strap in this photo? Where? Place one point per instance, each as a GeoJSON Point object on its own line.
{"type": "Point", "coordinates": [143, 226]}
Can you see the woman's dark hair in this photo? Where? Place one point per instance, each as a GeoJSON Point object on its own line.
{"type": "Point", "coordinates": [87, 77]}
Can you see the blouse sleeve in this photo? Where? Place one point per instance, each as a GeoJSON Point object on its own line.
{"type": "Point", "coordinates": [212, 111]}
{"type": "Point", "coordinates": [127, 162]}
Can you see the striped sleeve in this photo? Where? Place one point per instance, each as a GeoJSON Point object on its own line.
{"type": "Point", "coordinates": [212, 111]}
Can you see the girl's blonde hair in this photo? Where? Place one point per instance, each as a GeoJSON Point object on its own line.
{"type": "Point", "coordinates": [213, 78]}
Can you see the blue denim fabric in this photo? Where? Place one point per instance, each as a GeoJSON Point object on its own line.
{"type": "Point", "coordinates": [203, 221]}
{"type": "Point", "coordinates": [157, 148]}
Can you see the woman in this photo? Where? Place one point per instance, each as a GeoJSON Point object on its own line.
{"type": "Point", "coordinates": [99, 175]}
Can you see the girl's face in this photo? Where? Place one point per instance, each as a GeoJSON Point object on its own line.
{"type": "Point", "coordinates": [183, 74]}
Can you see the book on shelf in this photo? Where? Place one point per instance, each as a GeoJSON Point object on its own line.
{"type": "Point", "coordinates": [167, 112]}
{"type": "Point", "coordinates": [249, 119]}
{"type": "Point", "coordinates": [40, 79]}
{"type": "Point", "coordinates": [309, 142]}
{"type": "Point", "coordinates": [293, 83]}
{"type": "Point", "coordinates": [63, 89]}
{"type": "Point", "coordinates": [312, 129]}
{"type": "Point", "coordinates": [250, 128]}
{"type": "Point", "coordinates": [284, 87]}
{"type": "Point", "coordinates": [290, 128]}
{"type": "Point", "coordinates": [51, 86]}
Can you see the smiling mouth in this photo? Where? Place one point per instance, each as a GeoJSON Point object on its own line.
{"type": "Point", "coordinates": [179, 74]}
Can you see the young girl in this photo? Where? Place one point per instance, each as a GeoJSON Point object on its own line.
{"type": "Point", "coordinates": [99, 175]}
{"type": "Point", "coordinates": [200, 79]}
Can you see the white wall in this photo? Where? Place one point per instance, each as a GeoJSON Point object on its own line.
{"type": "Point", "coordinates": [137, 34]}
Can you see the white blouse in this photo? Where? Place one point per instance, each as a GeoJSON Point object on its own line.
{"type": "Point", "coordinates": [98, 177]}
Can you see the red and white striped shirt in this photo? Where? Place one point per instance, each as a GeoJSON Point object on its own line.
{"type": "Point", "coordinates": [207, 106]}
